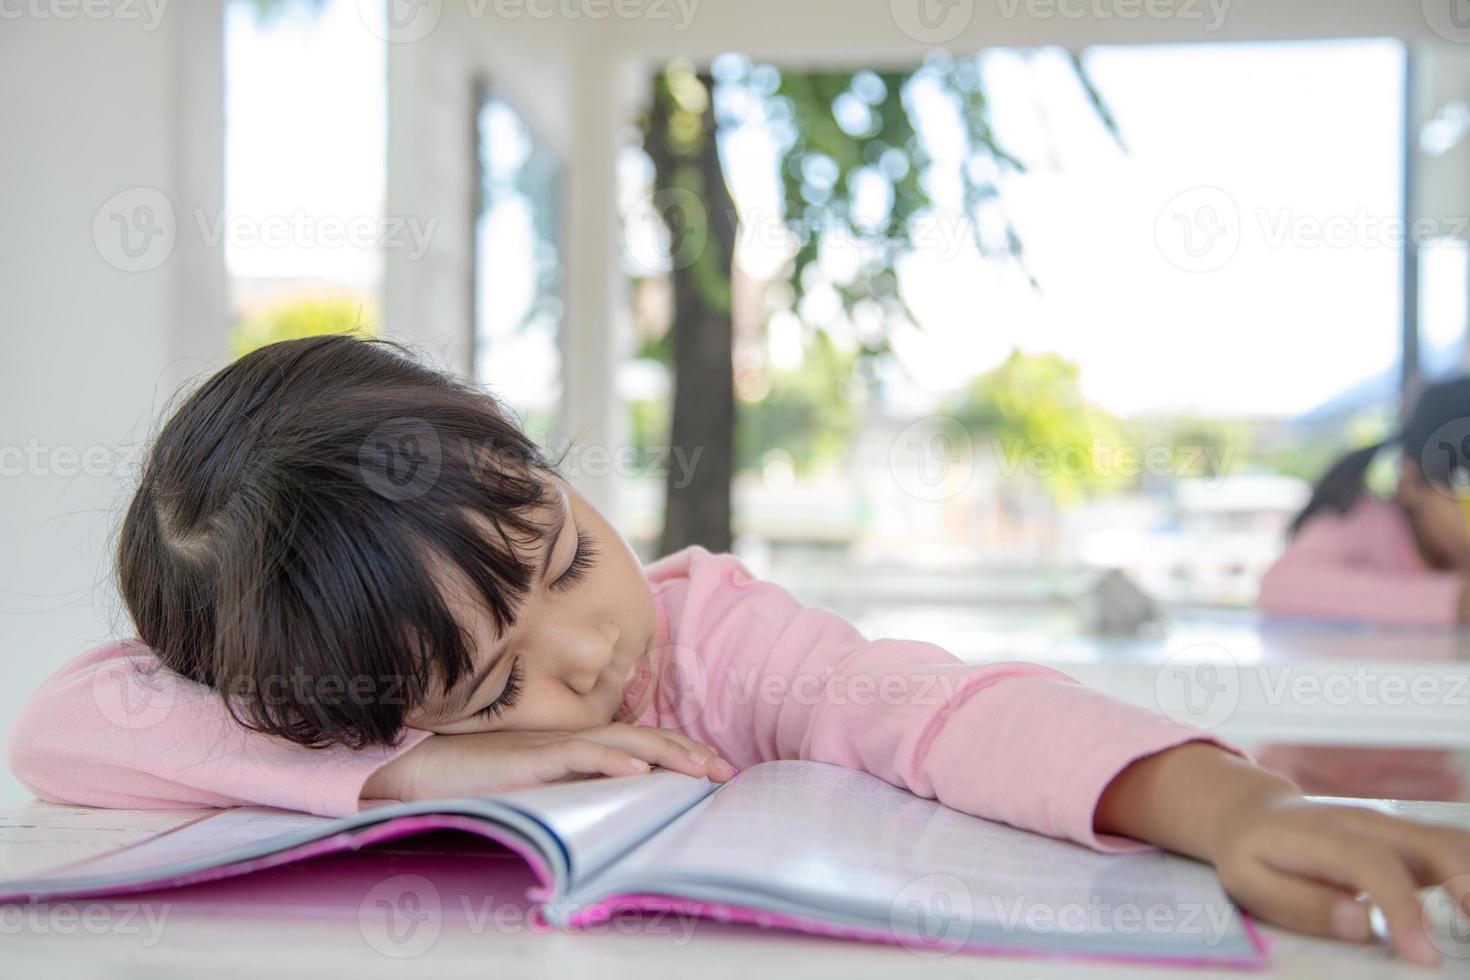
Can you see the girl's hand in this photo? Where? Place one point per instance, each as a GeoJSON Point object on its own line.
{"type": "Point", "coordinates": [1292, 862]}
{"type": "Point", "coordinates": [489, 762]}
{"type": "Point", "coordinates": [1300, 864]}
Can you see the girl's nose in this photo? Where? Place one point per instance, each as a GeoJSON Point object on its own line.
{"type": "Point", "coordinates": [586, 657]}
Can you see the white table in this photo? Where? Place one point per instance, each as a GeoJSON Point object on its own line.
{"type": "Point", "coordinates": [1251, 680]}
{"type": "Point", "coordinates": [176, 939]}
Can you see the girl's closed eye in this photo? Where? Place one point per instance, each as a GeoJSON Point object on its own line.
{"type": "Point", "coordinates": [508, 696]}
{"type": "Point", "coordinates": [582, 559]}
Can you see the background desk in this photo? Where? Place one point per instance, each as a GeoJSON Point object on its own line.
{"type": "Point", "coordinates": [1251, 680]}
{"type": "Point", "coordinates": [282, 937]}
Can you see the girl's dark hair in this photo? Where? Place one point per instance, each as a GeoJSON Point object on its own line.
{"type": "Point", "coordinates": [1435, 437]}
{"type": "Point", "coordinates": [279, 546]}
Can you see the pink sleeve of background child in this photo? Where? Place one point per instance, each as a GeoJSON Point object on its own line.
{"type": "Point", "coordinates": [112, 728]}
{"type": "Point", "coordinates": [1363, 565]}
{"type": "Point", "coordinates": [760, 676]}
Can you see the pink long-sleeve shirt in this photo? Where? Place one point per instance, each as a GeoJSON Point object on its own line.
{"type": "Point", "coordinates": [751, 671]}
{"type": "Point", "coordinates": [1360, 565]}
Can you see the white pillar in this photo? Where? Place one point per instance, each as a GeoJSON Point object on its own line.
{"type": "Point", "coordinates": [111, 125]}
{"type": "Point", "coordinates": [595, 333]}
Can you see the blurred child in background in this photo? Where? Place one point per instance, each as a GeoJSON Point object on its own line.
{"type": "Point", "coordinates": [1401, 560]}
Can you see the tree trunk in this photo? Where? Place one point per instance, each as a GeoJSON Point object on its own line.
{"type": "Point", "coordinates": [702, 425]}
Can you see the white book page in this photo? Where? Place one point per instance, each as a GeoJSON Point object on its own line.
{"type": "Point", "coordinates": [594, 821]}
{"type": "Point", "coordinates": [197, 841]}
{"type": "Point", "coordinates": [599, 820]}
{"type": "Point", "coordinates": [851, 844]}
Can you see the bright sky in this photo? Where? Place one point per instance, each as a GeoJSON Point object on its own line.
{"type": "Point", "coordinates": [1294, 138]}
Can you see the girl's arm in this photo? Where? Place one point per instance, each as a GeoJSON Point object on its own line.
{"type": "Point", "coordinates": [761, 676]}
{"type": "Point", "coordinates": [112, 728]}
{"type": "Point", "coordinates": [1027, 745]}
{"type": "Point", "coordinates": [1342, 567]}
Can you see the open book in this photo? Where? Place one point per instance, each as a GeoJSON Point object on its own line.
{"type": "Point", "coordinates": [802, 845]}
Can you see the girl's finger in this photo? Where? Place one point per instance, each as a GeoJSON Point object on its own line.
{"type": "Point", "coordinates": [1364, 864]}
{"type": "Point", "coordinates": [691, 744]}
{"type": "Point", "coordinates": [655, 746]}
{"type": "Point", "coordinates": [583, 757]}
{"type": "Point", "coordinates": [1435, 855]}
{"type": "Point", "coordinates": [1313, 907]}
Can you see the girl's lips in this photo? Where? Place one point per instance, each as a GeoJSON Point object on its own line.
{"type": "Point", "coordinates": [637, 689]}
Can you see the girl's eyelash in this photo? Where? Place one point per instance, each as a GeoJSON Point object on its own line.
{"type": "Point", "coordinates": [508, 696]}
{"type": "Point", "coordinates": [582, 560]}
